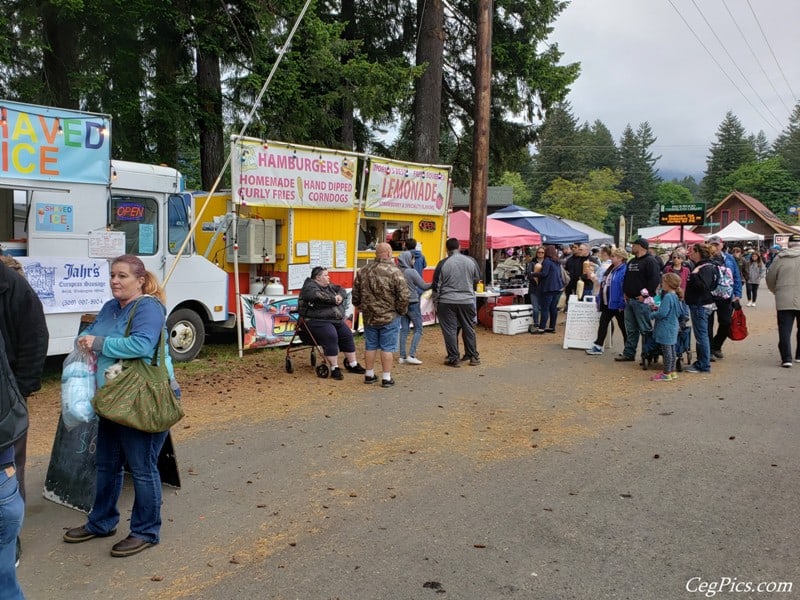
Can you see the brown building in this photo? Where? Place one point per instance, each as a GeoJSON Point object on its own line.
{"type": "Point", "coordinates": [749, 212]}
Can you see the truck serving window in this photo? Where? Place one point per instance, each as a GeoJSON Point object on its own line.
{"type": "Point", "coordinates": [138, 218]}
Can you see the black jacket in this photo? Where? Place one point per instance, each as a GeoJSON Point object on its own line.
{"type": "Point", "coordinates": [643, 272]}
{"type": "Point", "coordinates": [319, 303]}
{"type": "Point", "coordinates": [24, 329]}
{"type": "Point", "coordinates": [702, 280]}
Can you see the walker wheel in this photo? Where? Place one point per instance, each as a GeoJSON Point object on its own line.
{"type": "Point", "coordinates": [322, 371]}
{"type": "Point", "coordinates": [289, 366]}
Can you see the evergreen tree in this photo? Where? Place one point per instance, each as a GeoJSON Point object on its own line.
{"type": "Point", "coordinates": [769, 181]}
{"type": "Point", "coordinates": [761, 145]}
{"type": "Point", "coordinates": [598, 147]}
{"type": "Point", "coordinates": [639, 177]}
{"type": "Point", "coordinates": [558, 152]}
{"type": "Point", "coordinates": [787, 144]}
{"type": "Point", "coordinates": [731, 150]}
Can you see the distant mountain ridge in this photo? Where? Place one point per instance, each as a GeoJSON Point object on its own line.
{"type": "Point", "coordinates": [670, 174]}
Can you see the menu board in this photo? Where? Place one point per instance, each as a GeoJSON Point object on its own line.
{"type": "Point", "coordinates": [582, 321]}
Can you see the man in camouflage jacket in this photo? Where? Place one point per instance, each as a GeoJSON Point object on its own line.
{"type": "Point", "coordinates": [381, 294]}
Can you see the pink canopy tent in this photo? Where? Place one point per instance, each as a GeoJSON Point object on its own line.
{"type": "Point", "coordinates": [673, 236]}
{"type": "Point", "coordinates": [498, 233]}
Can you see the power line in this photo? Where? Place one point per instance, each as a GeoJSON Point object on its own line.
{"type": "Point", "coordinates": [716, 62]}
{"type": "Point", "coordinates": [761, 29]}
{"type": "Point", "coordinates": [735, 64]}
{"type": "Point", "coordinates": [755, 56]}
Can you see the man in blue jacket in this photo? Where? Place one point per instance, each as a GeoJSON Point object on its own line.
{"type": "Point", "coordinates": [724, 305]}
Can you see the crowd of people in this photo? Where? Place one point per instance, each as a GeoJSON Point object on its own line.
{"type": "Point", "coordinates": [648, 296]}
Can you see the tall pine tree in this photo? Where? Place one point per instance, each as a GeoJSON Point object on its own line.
{"type": "Point", "coordinates": [731, 150]}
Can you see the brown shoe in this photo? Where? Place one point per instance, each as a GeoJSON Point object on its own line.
{"type": "Point", "coordinates": [76, 535]}
{"type": "Point", "coordinates": [129, 546]}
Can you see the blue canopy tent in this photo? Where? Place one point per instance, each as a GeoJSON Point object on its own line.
{"type": "Point", "coordinates": [552, 230]}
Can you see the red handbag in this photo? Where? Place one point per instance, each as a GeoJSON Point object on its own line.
{"type": "Point", "coordinates": [738, 325]}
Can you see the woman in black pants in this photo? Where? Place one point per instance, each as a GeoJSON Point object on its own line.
{"type": "Point", "coordinates": [322, 305]}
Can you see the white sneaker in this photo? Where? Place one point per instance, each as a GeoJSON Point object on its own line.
{"type": "Point", "coordinates": [787, 364]}
{"type": "Point", "coordinates": [412, 360]}
{"type": "Point", "coordinates": [402, 361]}
{"type": "Point", "coordinates": [594, 351]}
{"type": "Point", "coordinates": [753, 305]}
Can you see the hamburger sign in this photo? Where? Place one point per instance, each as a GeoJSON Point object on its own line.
{"type": "Point", "coordinates": [266, 173]}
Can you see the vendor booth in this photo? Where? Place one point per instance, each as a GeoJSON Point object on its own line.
{"type": "Point", "coordinates": [552, 230]}
{"type": "Point", "coordinates": [734, 232]}
{"type": "Point", "coordinates": [673, 236]}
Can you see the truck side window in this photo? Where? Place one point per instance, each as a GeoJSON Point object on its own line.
{"type": "Point", "coordinates": [138, 218]}
{"type": "Point", "coordinates": [178, 222]}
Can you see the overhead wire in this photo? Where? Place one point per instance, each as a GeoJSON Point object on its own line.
{"type": "Point", "coordinates": [755, 57]}
{"type": "Point", "coordinates": [775, 58]}
{"type": "Point", "coordinates": [736, 65]}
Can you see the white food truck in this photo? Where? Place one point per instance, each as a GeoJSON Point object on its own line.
{"type": "Point", "coordinates": [66, 208]}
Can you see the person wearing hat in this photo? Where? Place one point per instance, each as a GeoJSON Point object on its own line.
{"type": "Point", "coordinates": [783, 280]}
{"type": "Point", "coordinates": [725, 306]}
{"type": "Point", "coordinates": [643, 273]}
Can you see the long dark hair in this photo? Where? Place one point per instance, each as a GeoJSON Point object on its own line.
{"type": "Point", "coordinates": [551, 252]}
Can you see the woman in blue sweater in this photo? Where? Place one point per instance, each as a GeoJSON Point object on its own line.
{"type": "Point", "coordinates": [611, 300]}
{"type": "Point", "coordinates": [551, 284]}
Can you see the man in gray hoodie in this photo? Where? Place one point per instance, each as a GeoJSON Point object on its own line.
{"type": "Point", "coordinates": [406, 262]}
{"type": "Point", "coordinates": [783, 280]}
{"type": "Point", "coordinates": [453, 293]}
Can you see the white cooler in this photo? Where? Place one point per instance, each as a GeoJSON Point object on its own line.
{"type": "Point", "coordinates": [512, 319]}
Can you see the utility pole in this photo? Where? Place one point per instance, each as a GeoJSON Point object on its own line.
{"type": "Point", "coordinates": [480, 143]}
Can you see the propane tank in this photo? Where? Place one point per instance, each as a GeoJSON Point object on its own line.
{"type": "Point", "coordinates": [274, 287]}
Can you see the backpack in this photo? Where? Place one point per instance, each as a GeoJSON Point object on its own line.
{"type": "Point", "coordinates": [724, 289]}
{"type": "Point", "coordinates": [565, 277]}
{"type": "Point", "coordinates": [13, 408]}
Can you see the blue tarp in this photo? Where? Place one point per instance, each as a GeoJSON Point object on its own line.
{"type": "Point", "coordinates": [552, 230]}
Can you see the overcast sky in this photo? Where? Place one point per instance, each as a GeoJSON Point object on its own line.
{"type": "Point", "coordinates": [641, 62]}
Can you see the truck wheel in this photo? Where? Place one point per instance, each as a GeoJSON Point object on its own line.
{"type": "Point", "coordinates": [186, 334]}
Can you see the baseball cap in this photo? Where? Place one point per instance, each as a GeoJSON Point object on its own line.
{"type": "Point", "coordinates": [641, 242]}
{"type": "Point", "coordinates": [715, 239]}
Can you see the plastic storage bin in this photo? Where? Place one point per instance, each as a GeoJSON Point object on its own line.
{"type": "Point", "coordinates": [513, 319]}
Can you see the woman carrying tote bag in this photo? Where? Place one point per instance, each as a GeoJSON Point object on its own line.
{"type": "Point", "coordinates": [129, 326]}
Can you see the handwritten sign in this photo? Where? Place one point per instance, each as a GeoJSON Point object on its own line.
{"type": "Point", "coordinates": [582, 322]}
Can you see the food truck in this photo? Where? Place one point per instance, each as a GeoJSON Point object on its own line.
{"type": "Point", "coordinates": [66, 208]}
{"type": "Point", "coordinates": [294, 207]}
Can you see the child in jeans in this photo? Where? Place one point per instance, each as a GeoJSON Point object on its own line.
{"type": "Point", "coordinates": [665, 328]}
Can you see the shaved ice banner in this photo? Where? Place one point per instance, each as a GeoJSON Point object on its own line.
{"type": "Point", "coordinates": [44, 143]}
{"type": "Point", "coordinates": [403, 187]}
{"type": "Point", "coordinates": [266, 173]}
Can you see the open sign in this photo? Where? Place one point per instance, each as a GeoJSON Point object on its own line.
{"type": "Point", "coordinates": [427, 225]}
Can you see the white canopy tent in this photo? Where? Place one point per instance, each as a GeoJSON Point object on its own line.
{"type": "Point", "coordinates": [734, 232]}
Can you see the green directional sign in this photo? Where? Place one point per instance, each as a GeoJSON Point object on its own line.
{"type": "Point", "coordinates": [682, 214]}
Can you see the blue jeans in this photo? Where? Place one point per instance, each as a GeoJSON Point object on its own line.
{"type": "Point", "coordinates": [702, 343]}
{"type": "Point", "coordinates": [116, 445]}
{"type": "Point", "coordinates": [12, 510]}
{"type": "Point", "coordinates": [383, 337]}
{"type": "Point", "coordinates": [414, 315]}
{"type": "Point", "coordinates": [637, 322]}
{"type": "Point", "coordinates": [549, 306]}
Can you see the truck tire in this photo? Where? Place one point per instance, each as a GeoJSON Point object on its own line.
{"type": "Point", "coordinates": [186, 334]}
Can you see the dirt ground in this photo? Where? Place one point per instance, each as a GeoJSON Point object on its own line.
{"type": "Point", "coordinates": [218, 387]}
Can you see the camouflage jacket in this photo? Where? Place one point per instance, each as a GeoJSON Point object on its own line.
{"type": "Point", "coordinates": [380, 292]}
